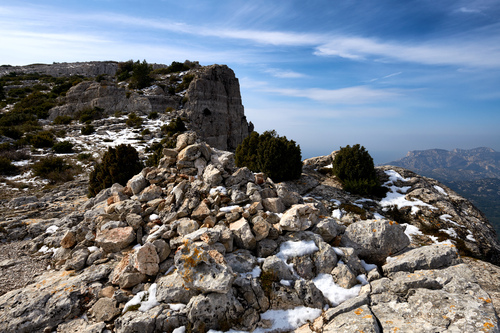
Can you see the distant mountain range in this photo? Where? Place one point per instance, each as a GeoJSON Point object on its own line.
{"type": "Point", "coordinates": [472, 173]}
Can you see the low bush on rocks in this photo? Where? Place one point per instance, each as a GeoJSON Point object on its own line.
{"type": "Point", "coordinates": [276, 156]}
{"type": "Point", "coordinates": [87, 129]}
{"type": "Point", "coordinates": [64, 147]}
{"type": "Point", "coordinates": [55, 169]}
{"type": "Point", "coordinates": [355, 169]}
{"type": "Point", "coordinates": [44, 139]}
{"type": "Point", "coordinates": [134, 120]}
{"type": "Point", "coordinates": [6, 166]}
{"type": "Point", "coordinates": [118, 166]}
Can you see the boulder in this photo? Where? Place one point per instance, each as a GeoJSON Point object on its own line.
{"type": "Point", "coordinates": [426, 257]}
{"type": "Point", "coordinates": [299, 217]}
{"type": "Point", "coordinates": [243, 236]}
{"type": "Point", "coordinates": [146, 259]}
{"type": "Point", "coordinates": [357, 320]}
{"type": "Point", "coordinates": [137, 183]}
{"type": "Point", "coordinates": [105, 309]}
{"type": "Point", "coordinates": [276, 268]}
{"type": "Point", "coordinates": [375, 240]}
{"type": "Point", "coordinates": [114, 240]}
{"type": "Point", "coordinates": [203, 270]}
{"type": "Point", "coordinates": [274, 205]}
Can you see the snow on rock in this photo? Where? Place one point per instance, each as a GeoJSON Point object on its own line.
{"type": "Point", "coordinates": [335, 293]}
{"type": "Point", "coordinates": [146, 300]}
{"type": "Point", "coordinates": [397, 195]}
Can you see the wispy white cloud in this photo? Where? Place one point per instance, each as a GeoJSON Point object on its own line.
{"type": "Point", "coordinates": [284, 74]}
{"type": "Point", "coordinates": [468, 10]}
{"type": "Point", "coordinates": [343, 96]}
{"type": "Point", "coordinates": [386, 77]}
{"type": "Point", "coordinates": [468, 52]}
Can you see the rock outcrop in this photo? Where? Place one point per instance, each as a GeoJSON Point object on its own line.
{"type": "Point", "coordinates": [211, 105]}
{"type": "Point", "coordinates": [214, 108]}
{"type": "Point", "coordinates": [189, 246]}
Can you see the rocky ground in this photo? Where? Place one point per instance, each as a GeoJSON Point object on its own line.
{"type": "Point", "coordinates": [198, 244]}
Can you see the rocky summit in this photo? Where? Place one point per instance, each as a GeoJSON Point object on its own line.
{"type": "Point", "coordinates": [197, 244]}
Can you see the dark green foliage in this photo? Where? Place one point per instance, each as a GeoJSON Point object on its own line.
{"type": "Point", "coordinates": [44, 139]}
{"type": "Point", "coordinates": [64, 84]}
{"type": "Point", "coordinates": [2, 93]}
{"type": "Point", "coordinates": [355, 169]}
{"type": "Point", "coordinates": [62, 120]}
{"type": "Point", "coordinates": [186, 80]}
{"type": "Point", "coordinates": [118, 166]}
{"type": "Point", "coordinates": [89, 114]}
{"type": "Point", "coordinates": [157, 153]}
{"type": "Point", "coordinates": [54, 169]}
{"type": "Point", "coordinates": [133, 120]}
{"type": "Point", "coordinates": [174, 127]}
{"type": "Point", "coordinates": [277, 157]}
{"type": "Point", "coordinates": [6, 166]}
{"type": "Point", "coordinates": [153, 115]}
{"type": "Point", "coordinates": [141, 75]}
{"type": "Point", "coordinates": [173, 68]}
{"type": "Point", "coordinates": [37, 103]}
{"type": "Point", "coordinates": [84, 156]}
{"type": "Point", "coordinates": [11, 132]}
{"type": "Point", "coordinates": [87, 129]}
{"type": "Point", "coordinates": [124, 70]}
{"type": "Point", "coordinates": [63, 147]}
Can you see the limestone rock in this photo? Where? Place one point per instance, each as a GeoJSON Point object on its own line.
{"type": "Point", "coordinates": [375, 240]}
{"type": "Point", "coordinates": [243, 235]}
{"type": "Point", "coordinates": [172, 289]}
{"type": "Point", "coordinates": [426, 257]}
{"type": "Point", "coordinates": [358, 320]}
{"type": "Point", "coordinates": [276, 267]}
{"type": "Point", "coordinates": [299, 217]}
{"type": "Point", "coordinates": [105, 309]}
{"type": "Point", "coordinates": [201, 271]}
{"type": "Point", "coordinates": [146, 259]}
{"type": "Point", "coordinates": [113, 240]}
{"type": "Point", "coordinates": [214, 108]}
{"type": "Point", "coordinates": [214, 311]}
{"type": "Point", "coordinates": [137, 183]}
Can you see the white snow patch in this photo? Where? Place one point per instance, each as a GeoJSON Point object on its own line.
{"type": "Point", "coordinates": [228, 209]}
{"type": "Point", "coordinates": [377, 216]}
{"type": "Point", "coordinates": [255, 273]}
{"type": "Point", "coordinates": [219, 189]}
{"type": "Point", "coordinates": [411, 230]}
{"type": "Point", "coordinates": [397, 197]}
{"type": "Point", "coordinates": [368, 267]}
{"type": "Point", "coordinates": [177, 306]}
{"type": "Point", "coordinates": [446, 218]}
{"type": "Point", "coordinates": [335, 293]}
{"type": "Point", "coordinates": [470, 236]}
{"type": "Point", "coordinates": [440, 190]}
{"type": "Point", "coordinates": [147, 300]}
{"type": "Point", "coordinates": [450, 231]}
{"type": "Point", "coordinates": [181, 329]}
{"type": "Point", "coordinates": [286, 282]}
{"type": "Point", "coordinates": [362, 278]}
{"type": "Point", "coordinates": [296, 249]}
{"type": "Point", "coordinates": [46, 249]}
{"type": "Point", "coordinates": [153, 217]}
{"type": "Point", "coordinates": [337, 213]}
{"type": "Point", "coordinates": [335, 201]}
{"type": "Point", "coordinates": [92, 249]}
{"type": "Point", "coordinates": [52, 229]}
{"type": "Point", "coordinates": [338, 251]}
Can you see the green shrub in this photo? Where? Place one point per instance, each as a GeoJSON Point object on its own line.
{"type": "Point", "coordinates": [124, 70]}
{"type": "Point", "coordinates": [118, 166]}
{"type": "Point", "coordinates": [63, 147]}
{"type": "Point", "coordinates": [87, 129]}
{"type": "Point", "coordinates": [62, 120]}
{"type": "Point", "coordinates": [276, 156]}
{"type": "Point", "coordinates": [153, 115]}
{"type": "Point", "coordinates": [157, 153]}
{"type": "Point", "coordinates": [174, 127]}
{"type": "Point", "coordinates": [186, 80]}
{"type": "Point", "coordinates": [355, 169]}
{"type": "Point", "coordinates": [6, 166]}
{"type": "Point", "coordinates": [44, 139]}
{"type": "Point", "coordinates": [2, 92]}
{"type": "Point", "coordinates": [133, 120]}
{"type": "Point", "coordinates": [84, 156]}
{"type": "Point", "coordinates": [89, 114]}
{"type": "Point", "coordinates": [141, 75]}
{"type": "Point", "coordinates": [53, 168]}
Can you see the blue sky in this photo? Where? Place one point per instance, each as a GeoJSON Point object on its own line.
{"type": "Point", "coordinates": [392, 76]}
